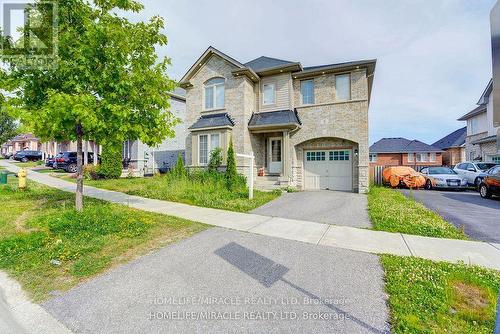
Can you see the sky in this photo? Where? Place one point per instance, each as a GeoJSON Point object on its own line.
{"type": "Point", "coordinates": [433, 56]}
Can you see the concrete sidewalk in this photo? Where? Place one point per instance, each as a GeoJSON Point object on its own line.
{"type": "Point", "coordinates": [470, 252]}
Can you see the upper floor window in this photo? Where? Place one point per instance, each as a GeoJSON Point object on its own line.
{"type": "Point", "coordinates": [373, 157]}
{"type": "Point", "coordinates": [269, 93]}
{"type": "Point", "coordinates": [307, 91]}
{"type": "Point", "coordinates": [432, 157]}
{"type": "Point", "coordinates": [410, 157]}
{"type": "Point", "coordinates": [214, 93]}
{"type": "Point", "coordinates": [343, 87]}
{"type": "Point", "coordinates": [473, 125]}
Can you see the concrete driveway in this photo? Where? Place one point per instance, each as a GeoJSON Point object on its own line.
{"type": "Point", "coordinates": [223, 281]}
{"type": "Point", "coordinates": [325, 206]}
{"type": "Point", "coordinates": [479, 217]}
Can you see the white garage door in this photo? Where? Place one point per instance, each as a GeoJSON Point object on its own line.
{"type": "Point", "coordinates": [328, 169]}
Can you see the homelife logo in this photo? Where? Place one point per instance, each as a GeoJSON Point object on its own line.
{"type": "Point", "coordinates": [29, 33]}
{"type": "Point", "coordinates": [495, 49]}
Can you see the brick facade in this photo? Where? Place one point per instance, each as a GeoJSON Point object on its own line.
{"type": "Point", "coordinates": [327, 123]}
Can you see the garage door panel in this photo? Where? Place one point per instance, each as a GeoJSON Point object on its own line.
{"type": "Point", "coordinates": [324, 170]}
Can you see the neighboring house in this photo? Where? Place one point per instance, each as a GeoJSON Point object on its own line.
{"type": "Point", "coordinates": [144, 159]}
{"type": "Point", "coordinates": [453, 146]}
{"type": "Point", "coordinates": [25, 141]}
{"type": "Point", "coordinates": [7, 149]}
{"type": "Point", "coordinates": [480, 143]}
{"type": "Point", "coordinates": [404, 152]}
{"type": "Point", "coordinates": [306, 126]}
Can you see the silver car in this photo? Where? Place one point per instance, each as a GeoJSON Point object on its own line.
{"type": "Point", "coordinates": [443, 177]}
{"type": "Point", "coordinates": [472, 171]}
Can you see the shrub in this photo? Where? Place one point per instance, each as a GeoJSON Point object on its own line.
{"type": "Point", "coordinates": [215, 160]}
{"type": "Point", "coordinates": [90, 172]}
{"type": "Point", "coordinates": [231, 172]}
{"type": "Point", "coordinates": [179, 170]}
{"type": "Point", "coordinates": [111, 162]}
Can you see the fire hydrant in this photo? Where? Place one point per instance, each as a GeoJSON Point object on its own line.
{"type": "Point", "coordinates": [22, 178]}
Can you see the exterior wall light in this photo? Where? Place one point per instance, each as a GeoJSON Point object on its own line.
{"type": "Point", "coordinates": [356, 152]}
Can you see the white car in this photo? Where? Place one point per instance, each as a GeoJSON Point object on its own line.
{"type": "Point", "coordinates": [443, 177]}
{"type": "Point", "coordinates": [472, 170]}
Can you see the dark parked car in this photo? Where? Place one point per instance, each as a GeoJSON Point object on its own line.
{"type": "Point", "coordinates": [482, 175]}
{"type": "Point", "coordinates": [49, 162]}
{"type": "Point", "coordinates": [67, 161]}
{"type": "Point", "coordinates": [26, 156]}
{"type": "Point", "coordinates": [491, 183]}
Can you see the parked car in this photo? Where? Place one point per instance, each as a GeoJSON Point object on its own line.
{"type": "Point", "coordinates": [49, 162]}
{"type": "Point", "coordinates": [67, 161]}
{"type": "Point", "coordinates": [443, 177]}
{"type": "Point", "coordinates": [27, 155]}
{"type": "Point", "coordinates": [491, 183]}
{"type": "Point", "coordinates": [472, 170]}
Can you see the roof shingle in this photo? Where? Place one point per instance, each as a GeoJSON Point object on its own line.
{"type": "Point", "coordinates": [280, 117]}
{"type": "Point", "coordinates": [454, 139]}
{"type": "Point", "coordinates": [263, 63]}
{"type": "Point", "coordinates": [212, 121]}
{"type": "Point", "coordinates": [401, 145]}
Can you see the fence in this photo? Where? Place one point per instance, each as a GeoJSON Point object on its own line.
{"type": "Point", "coordinates": [376, 172]}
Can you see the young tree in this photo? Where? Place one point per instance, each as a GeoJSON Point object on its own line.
{"type": "Point", "coordinates": [108, 84]}
{"type": "Point", "coordinates": [231, 171]}
{"type": "Point", "coordinates": [111, 162]}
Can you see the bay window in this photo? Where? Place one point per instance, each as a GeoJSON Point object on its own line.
{"type": "Point", "coordinates": [206, 144]}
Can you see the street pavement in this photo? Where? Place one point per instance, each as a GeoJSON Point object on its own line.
{"type": "Point", "coordinates": [479, 217]}
{"type": "Point", "coordinates": [223, 281]}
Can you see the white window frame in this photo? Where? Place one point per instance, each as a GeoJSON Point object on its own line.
{"type": "Point", "coordinates": [421, 157]}
{"type": "Point", "coordinates": [410, 157]}
{"type": "Point", "coordinates": [302, 95]}
{"type": "Point", "coordinates": [432, 157]}
{"type": "Point", "coordinates": [273, 84]}
{"type": "Point", "coordinates": [215, 87]}
{"type": "Point", "coordinates": [209, 146]}
{"type": "Point", "coordinates": [373, 157]}
{"type": "Point", "coordinates": [336, 87]}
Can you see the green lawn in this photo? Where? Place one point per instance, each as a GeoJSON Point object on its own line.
{"type": "Point", "coordinates": [391, 211]}
{"type": "Point", "coordinates": [51, 171]}
{"type": "Point", "coordinates": [439, 297]}
{"type": "Point", "coordinates": [200, 189]}
{"type": "Point", "coordinates": [28, 164]}
{"type": "Point", "coordinates": [40, 224]}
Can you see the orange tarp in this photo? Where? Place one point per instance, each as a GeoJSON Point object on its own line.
{"type": "Point", "coordinates": [401, 174]}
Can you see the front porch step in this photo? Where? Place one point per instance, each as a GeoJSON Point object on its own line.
{"type": "Point", "coordinates": [267, 182]}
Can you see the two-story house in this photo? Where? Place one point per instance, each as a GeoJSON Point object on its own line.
{"type": "Point", "coordinates": [306, 126]}
{"type": "Point", "coordinates": [480, 142]}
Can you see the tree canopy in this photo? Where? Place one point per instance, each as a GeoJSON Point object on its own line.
{"type": "Point", "coordinates": [106, 83]}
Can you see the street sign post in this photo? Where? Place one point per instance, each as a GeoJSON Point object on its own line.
{"type": "Point", "coordinates": [250, 175]}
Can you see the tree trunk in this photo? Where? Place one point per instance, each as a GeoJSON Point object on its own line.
{"type": "Point", "coordinates": [79, 166]}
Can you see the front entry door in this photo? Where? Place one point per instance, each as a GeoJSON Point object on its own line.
{"type": "Point", "coordinates": [274, 158]}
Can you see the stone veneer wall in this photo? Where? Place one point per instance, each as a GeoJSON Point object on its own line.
{"type": "Point", "coordinates": [475, 149]}
{"type": "Point", "coordinates": [329, 119]}
{"type": "Point", "coordinates": [239, 104]}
